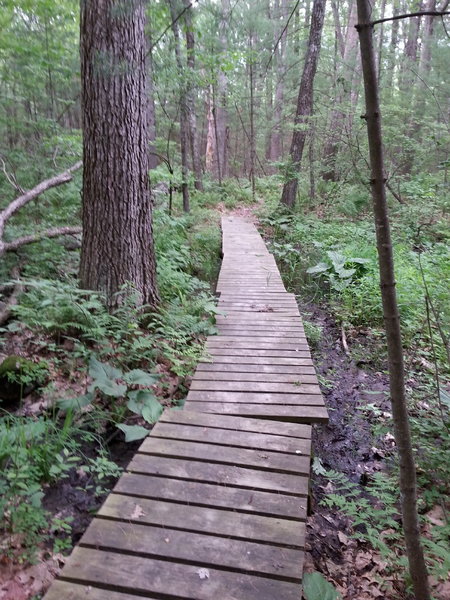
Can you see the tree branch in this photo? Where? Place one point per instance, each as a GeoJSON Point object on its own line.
{"type": "Point", "coordinates": [31, 239]}
{"type": "Point", "coordinates": [422, 13]}
{"type": "Point", "coordinates": [25, 198]}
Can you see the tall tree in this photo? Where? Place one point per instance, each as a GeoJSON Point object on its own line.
{"type": "Point", "coordinates": [304, 103]}
{"type": "Point", "coordinates": [117, 246]}
{"type": "Point", "coordinates": [408, 487]}
{"type": "Point", "coordinates": [190, 96]}
{"type": "Point", "coordinates": [175, 13]}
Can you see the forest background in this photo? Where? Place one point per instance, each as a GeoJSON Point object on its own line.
{"type": "Point", "coordinates": [224, 83]}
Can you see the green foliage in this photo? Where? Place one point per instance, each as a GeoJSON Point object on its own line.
{"type": "Point", "coordinates": [32, 452]}
{"type": "Point", "coordinates": [316, 587]}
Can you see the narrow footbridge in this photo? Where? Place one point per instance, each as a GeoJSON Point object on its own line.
{"type": "Point", "coordinates": [213, 505]}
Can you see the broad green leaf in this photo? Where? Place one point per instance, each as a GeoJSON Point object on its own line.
{"type": "Point", "coordinates": [103, 371]}
{"type": "Point", "coordinates": [104, 376]}
{"type": "Point", "coordinates": [319, 268]}
{"type": "Point", "coordinates": [145, 403]}
{"type": "Point", "coordinates": [336, 258]}
{"type": "Point", "coordinates": [152, 413]}
{"type": "Point", "coordinates": [316, 587]}
{"type": "Point", "coordinates": [75, 403]}
{"type": "Point", "coordinates": [139, 377]}
{"type": "Point", "coordinates": [345, 273]}
{"type": "Point", "coordinates": [133, 432]}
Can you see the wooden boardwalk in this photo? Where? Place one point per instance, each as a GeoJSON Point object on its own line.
{"type": "Point", "coordinates": [213, 506]}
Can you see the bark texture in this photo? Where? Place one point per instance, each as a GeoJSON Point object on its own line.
{"type": "Point", "coordinates": [304, 102]}
{"type": "Point", "coordinates": [408, 489]}
{"type": "Point", "coordinates": [117, 245]}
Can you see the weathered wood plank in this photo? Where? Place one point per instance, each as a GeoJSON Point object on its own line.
{"type": "Point", "coordinates": [273, 353]}
{"type": "Point", "coordinates": [201, 519]}
{"type": "Point", "coordinates": [218, 367]}
{"type": "Point", "coordinates": [150, 576]}
{"type": "Point", "coordinates": [272, 504]}
{"type": "Point", "coordinates": [217, 342]}
{"type": "Point", "coordinates": [221, 474]}
{"type": "Point", "coordinates": [67, 590]}
{"type": "Point", "coordinates": [296, 414]}
{"type": "Point", "coordinates": [226, 437]}
{"type": "Point", "coordinates": [259, 377]}
{"type": "Point", "coordinates": [214, 454]}
{"type": "Point", "coordinates": [256, 387]}
{"type": "Point", "coordinates": [223, 357]}
{"type": "Point", "coordinates": [193, 548]}
{"type": "Point", "coordinates": [236, 424]}
{"type": "Point", "coordinates": [256, 398]}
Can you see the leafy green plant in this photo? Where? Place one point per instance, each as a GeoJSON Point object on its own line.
{"type": "Point", "coordinates": [316, 587]}
{"type": "Point", "coordinates": [338, 270]}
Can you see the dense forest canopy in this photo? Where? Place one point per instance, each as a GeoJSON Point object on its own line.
{"type": "Point", "coordinates": [256, 107]}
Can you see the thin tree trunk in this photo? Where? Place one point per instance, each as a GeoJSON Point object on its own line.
{"type": "Point", "coordinates": [190, 98]}
{"type": "Point", "coordinates": [408, 488]}
{"type": "Point", "coordinates": [344, 92]}
{"type": "Point", "coordinates": [221, 112]}
{"type": "Point", "coordinates": [252, 118]}
{"type": "Point", "coordinates": [304, 103]}
{"type": "Point", "coordinates": [281, 12]}
{"type": "Point", "coordinates": [117, 244]}
{"type": "Point", "coordinates": [184, 137]}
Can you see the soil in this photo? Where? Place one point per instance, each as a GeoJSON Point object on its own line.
{"type": "Point", "coordinates": [347, 445]}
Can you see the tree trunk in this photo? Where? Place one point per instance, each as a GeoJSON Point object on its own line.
{"type": "Point", "coordinates": [153, 159]}
{"type": "Point", "coordinates": [344, 92]}
{"type": "Point", "coordinates": [276, 148]}
{"type": "Point", "coordinates": [190, 98]}
{"type": "Point", "coordinates": [252, 117]}
{"type": "Point", "coordinates": [184, 122]}
{"type": "Point", "coordinates": [304, 103]}
{"type": "Point", "coordinates": [117, 245]}
{"type": "Point", "coordinates": [408, 491]}
{"type": "Point", "coordinates": [221, 113]}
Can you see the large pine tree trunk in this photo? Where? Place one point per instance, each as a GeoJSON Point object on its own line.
{"type": "Point", "coordinates": [304, 102]}
{"type": "Point", "coordinates": [408, 491]}
{"type": "Point", "coordinates": [117, 246]}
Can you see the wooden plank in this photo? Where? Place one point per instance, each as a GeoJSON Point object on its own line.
{"type": "Point", "coordinates": [256, 387]}
{"type": "Point", "coordinates": [258, 377]}
{"type": "Point", "coordinates": [210, 495]}
{"type": "Point", "coordinates": [67, 590]}
{"type": "Point", "coordinates": [256, 398]}
{"type": "Point", "coordinates": [193, 548]}
{"type": "Point", "coordinates": [296, 414]}
{"type": "Point", "coordinates": [257, 342]}
{"type": "Point", "coordinates": [220, 474]}
{"type": "Point", "coordinates": [226, 437]}
{"type": "Point", "coordinates": [273, 353]}
{"type": "Point", "coordinates": [201, 519]}
{"type": "Point", "coordinates": [236, 424]}
{"type": "Point", "coordinates": [215, 454]}
{"type": "Point", "coordinates": [217, 367]}
{"type": "Point", "coordinates": [217, 342]}
{"type": "Point", "coordinates": [150, 576]}
{"type": "Point", "coordinates": [222, 357]}
{"type": "Point", "coordinates": [261, 330]}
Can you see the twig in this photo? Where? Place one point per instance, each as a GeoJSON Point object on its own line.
{"type": "Point", "coordinates": [344, 341]}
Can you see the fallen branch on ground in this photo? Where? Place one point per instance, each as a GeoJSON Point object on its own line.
{"type": "Point", "coordinates": [27, 197]}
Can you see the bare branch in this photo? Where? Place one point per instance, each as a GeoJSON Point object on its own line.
{"type": "Point", "coordinates": [25, 198]}
{"type": "Point", "coordinates": [31, 239]}
{"type": "Point", "coordinates": [422, 13]}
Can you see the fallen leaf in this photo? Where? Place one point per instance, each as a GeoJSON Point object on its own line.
{"type": "Point", "coordinates": [137, 512]}
{"type": "Point", "coordinates": [203, 573]}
